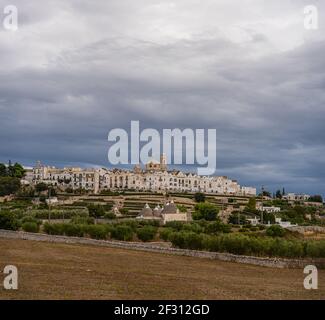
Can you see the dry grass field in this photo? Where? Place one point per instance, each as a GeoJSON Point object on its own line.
{"type": "Point", "coordinates": [61, 271]}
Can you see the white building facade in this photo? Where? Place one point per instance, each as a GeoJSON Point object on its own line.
{"type": "Point", "coordinates": [155, 177]}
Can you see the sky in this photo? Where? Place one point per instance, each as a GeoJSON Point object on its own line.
{"type": "Point", "coordinates": [76, 69]}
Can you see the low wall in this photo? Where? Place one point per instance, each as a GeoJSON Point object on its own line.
{"type": "Point", "coordinates": [155, 247]}
{"type": "Point", "coordinates": [303, 229]}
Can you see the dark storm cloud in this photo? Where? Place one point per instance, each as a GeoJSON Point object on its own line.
{"type": "Point", "coordinates": [73, 71]}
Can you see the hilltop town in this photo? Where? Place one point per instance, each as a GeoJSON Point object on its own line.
{"type": "Point", "coordinates": [155, 177]}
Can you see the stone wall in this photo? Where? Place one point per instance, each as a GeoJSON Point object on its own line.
{"type": "Point", "coordinates": [303, 229]}
{"type": "Point", "coordinates": [156, 247]}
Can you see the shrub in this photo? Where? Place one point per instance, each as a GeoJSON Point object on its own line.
{"type": "Point", "coordinates": [30, 227]}
{"type": "Point", "coordinates": [124, 211]}
{"type": "Point", "coordinates": [110, 215]}
{"type": "Point", "coordinates": [8, 221]}
{"type": "Point", "coordinates": [82, 220]}
{"type": "Point", "coordinates": [53, 229]}
{"type": "Point", "coordinates": [146, 233]}
{"type": "Point", "coordinates": [122, 232]}
{"type": "Point", "coordinates": [199, 197]}
{"type": "Point", "coordinates": [99, 232]}
{"type": "Point", "coordinates": [206, 211]}
{"type": "Point", "coordinates": [68, 229]}
{"type": "Point", "coordinates": [187, 240]}
{"type": "Point", "coordinates": [176, 225]}
{"type": "Point", "coordinates": [165, 233]}
{"type": "Point", "coordinates": [275, 231]}
{"type": "Point", "coordinates": [193, 227]}
{"type": "Point", "coordinates": [315, 249]}
{"type": "Point", "coordinates": [217, 227]}
{"type": "Point", "coordinates": [73, 230]}
{"type": "Point", "coordinates": [30, 218]}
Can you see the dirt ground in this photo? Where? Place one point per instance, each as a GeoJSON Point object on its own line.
{"type": "Point", "coordinates": [62, 271]}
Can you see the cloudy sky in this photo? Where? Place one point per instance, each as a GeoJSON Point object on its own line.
{"type": "Point", "coordinates": [76, 69]}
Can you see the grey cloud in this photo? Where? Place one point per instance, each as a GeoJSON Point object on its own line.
{"type": "Point", "coordinates": [60, 97]}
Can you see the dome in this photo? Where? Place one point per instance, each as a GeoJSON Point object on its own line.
{"type": "Point", "coordinates": [157, 211]}
{"type": "Point", "coordinates": [146, 211]}
{"type": "Point", "coordinates": [170, 208]}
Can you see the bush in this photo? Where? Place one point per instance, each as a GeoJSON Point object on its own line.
{"type": "Point", "coordinates": [99, 232]}
{"type": "Point", "coordinates": [67, 229]}
{"type": "Point", "coordinates": [165, 233]}
{"type": "Point", "coordinates": [73, 230]}
{"type": "Point", "coordinates": [176, 225]}
{"type": "Point", "coordinates": [30, 227]}
{"type": "Point", "coordinates": [275, 231]}
{"type": "Point", "coordinates": [124, 211]}
{"type": "Point", "coordinates": [30, 218]}
{"type": "Point", "coordinates": [8, 221]}
{"type": "Point", "coordinates": [199, 197]}
{"type": "Point", "coordinates": [110, 215]}
{"type": "Point", "coordinates": [53, 229]}
{"type": "Point", "coordinates": [146, 233]}
{"type": "Point", "coordinates": [187, 240]}
{"type": "Point", "coordinates": [122, 232]}
{"type": "Point", "coordinates": [82, 220]}
{"type": "Point", "coordinates": [206, 211]}
{"type": "Point", "coordinates": [217, 227]}
{"type": "Point", "coordinates": [193, 227]}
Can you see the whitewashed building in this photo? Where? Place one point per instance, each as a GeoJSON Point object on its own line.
{"type": "Point", "coordinates": [155, 177]}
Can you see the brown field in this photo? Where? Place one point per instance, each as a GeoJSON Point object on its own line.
{"type": "Point", "coordinates": [61, 271]}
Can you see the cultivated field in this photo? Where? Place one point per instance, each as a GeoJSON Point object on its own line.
{"type": "Point", "coordinates": [61, 271]}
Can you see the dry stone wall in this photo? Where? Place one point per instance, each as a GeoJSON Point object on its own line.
{"type": "Point", "coordinates": [155, 247]}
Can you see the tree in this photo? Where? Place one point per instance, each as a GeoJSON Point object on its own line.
{"type": "Point", "coordinates": [3, 170]}
{"type": "Point", "coordinates": [265, 194]}
{"type": "Point", "coordinates": [251, 204]}
{"type": "Point", "coordinates": [205, 211]}
{"type": "Point", "coordinates": [275, 231]}
{"type": "Point", "coordinates": [96, 211]}
{"type": "Point", "coordinates": [9, 185]}
{"type": "Point", "coordinates": [8, 221]}
{"type": "Point", "coordinates": [181, 208]}
{"type": "Point", "coordinates": [278, 194]}
{"type": "Point", "coordinates": [18, 171]}
{"type": "Point", "coordinates": [234, 217]}
{"type": "Point", "coordinates": [40, 187]}
{"type": "Point", "coordinates": [146, 233]}
{"type": "Point", "coordinates": [199, 197]}
{"type": "Point", "coordinates": [316, 198]}
{"type": "Point", "coordinates": [122, 232]}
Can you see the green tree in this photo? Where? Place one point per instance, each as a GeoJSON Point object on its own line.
{"type": "Point", "coordinates": [235, 216]}
{"type": "Point", "coordinates": [17, 171]}
{"type": "Point", "coordinates": [122, 232]}
{"type": "Point", "coordinates": [96, 211]}
{"type": "Point", "coordinates": [278, 194]}
{"type": "Point", "coordinates": [251, 204]}
{"type": "Point", "coordinates": [199, 197]}
{"type": "Point", "coordinates": [205, 211]}
{"type": "Point", "coordinates": [146, 233]}
{"type": "Point", "coordinates": [316, 198]}
{"type": "Point", "coordinates": [275, 231]}
{"type": "Point", "coordinates": [8, 221]}
{"type": "Point", "coordinates": [3, 170]}
{"type": "Point", "coordinates": [9, 185]}
{"type": "Point", "coordinates": [40, 187]}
